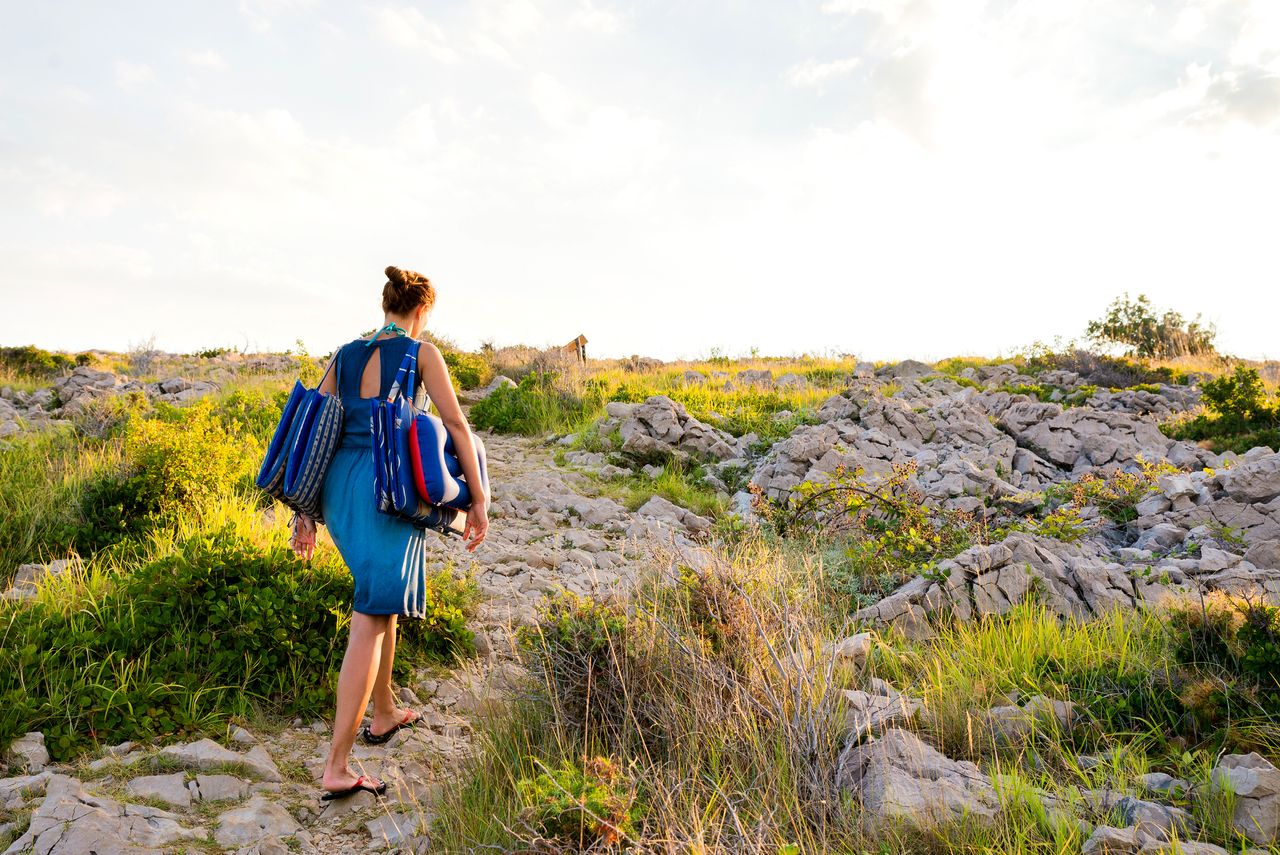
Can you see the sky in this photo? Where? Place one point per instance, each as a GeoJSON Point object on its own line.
{"type": "Point", "coordinates": [885, 178]}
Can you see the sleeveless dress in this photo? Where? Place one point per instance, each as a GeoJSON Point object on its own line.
{"type": "Point", "coordinates": [386, 555]}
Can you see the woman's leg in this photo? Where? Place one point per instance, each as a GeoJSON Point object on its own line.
{"type": "Point", "coordinates": [360, 667]}
{"type": "Point", "coordinates": [386, 714]}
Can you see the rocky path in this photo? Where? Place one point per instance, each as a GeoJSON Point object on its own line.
{"type": "Point", "coordinates": [258, 794]}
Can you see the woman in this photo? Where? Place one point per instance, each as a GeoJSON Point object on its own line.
{"type": "Point", "coordinates": [384, 553]}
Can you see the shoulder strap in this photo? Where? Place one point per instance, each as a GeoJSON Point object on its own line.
{"type": "Point", "coordinates": [406, 374]}
{"type": "Point", "coordinates": [336, 354]}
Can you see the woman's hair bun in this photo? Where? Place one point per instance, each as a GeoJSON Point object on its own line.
{"type": "Point", "coordinates": [405, 291]}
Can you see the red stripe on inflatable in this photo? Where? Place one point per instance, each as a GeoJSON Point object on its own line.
{"type": "Point", "coordinates": [415, 456]}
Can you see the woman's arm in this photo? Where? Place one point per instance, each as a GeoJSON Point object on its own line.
{"type": "Point", "coordinates": [435, 377]}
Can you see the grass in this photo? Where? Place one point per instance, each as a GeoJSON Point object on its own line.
{"type": "Point", "coordinates": [715, 697]}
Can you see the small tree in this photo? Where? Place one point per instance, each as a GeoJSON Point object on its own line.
{"type": "Point", "coordinates": [1134, 325]}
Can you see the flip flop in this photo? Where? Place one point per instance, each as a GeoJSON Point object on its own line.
{"type": "Point", "coordinates": [361, 785]}
{"type": "Point", "coordinates": [410, 719]}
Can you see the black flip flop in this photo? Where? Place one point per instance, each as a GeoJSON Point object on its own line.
{"type": "Point", "coordinates": [361, 786]}
{"type": "Point", "coordinates": [372, 738]}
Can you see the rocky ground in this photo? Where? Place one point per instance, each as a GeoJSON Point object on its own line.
{"type": "Point", "coordinates": [976, 446]}
{"type": "Point", "coordinates": [261, 791]}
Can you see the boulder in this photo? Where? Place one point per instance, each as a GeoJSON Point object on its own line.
{"type": "Point", "coordinates": [28, 752]}
{"type": "Point", "coordinates": [171, 789]}
{"type": "Point", "coordinates": [898, 777]}
{"type": "Point", "coordinates": [661, 428]}
{"type": "Point", "coordinates": [1256, 785]}
{"type": "Point", "coordinates": [1256, 481]}
{"type": "Point", "coordinates": [256, 820]}
{"type": "Point", "coordinates": [206, 754]}
{"type": "Point", "coordinates": [674, 515]}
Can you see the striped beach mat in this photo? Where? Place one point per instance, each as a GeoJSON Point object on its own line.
{"type": "Point", "coordinates": [302, 448]}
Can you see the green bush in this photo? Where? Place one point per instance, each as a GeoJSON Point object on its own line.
{"type": "Point", "coordinates": [34, 362]}
{"type": "Point", "coordinates": [218, 628]}
{"type": "Point", "coordinates": [1239, 415]}
{"type": "Point", "coordinates": [468, 370]}
{"type": "Point", "coordinates": [186, 458]}
{"type": "Point", "coordinates": [587, 809]}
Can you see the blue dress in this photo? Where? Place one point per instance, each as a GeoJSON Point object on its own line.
{"type": "Point", "coordinates": [386, 555]}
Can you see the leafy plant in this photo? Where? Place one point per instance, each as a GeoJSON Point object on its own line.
{"type": "Point", "coordinates": [1115, 494]}
{"type": "Point", "coordinates": [886, 530]}
{"type": "Point", "coordinates": [588, 806]}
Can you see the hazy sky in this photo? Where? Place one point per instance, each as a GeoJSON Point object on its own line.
{"type": "Point", "coordinates": [879, 177]}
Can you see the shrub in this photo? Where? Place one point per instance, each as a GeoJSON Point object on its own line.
{"type": "Point", "coordinates": [1135, 325]}
{"type": "Point", "coordinates": [218, 628]}
{"type": "Point", "coordinates": [1115, 494]}
{"type": "Point", "coordinates": [34, 362]}
{"type": "Point", "coordinates": [579, 650]}
{"type": "Point", "coordinates": [184, 459]}
{"type": "Point", "coordinates": [468, 370]}
{"type": "Point", "coordinates": [1239, 415]}
{"type": "Point", "coordinates": [888, 532]}
{"type": "Point", "coordinates": [1099, 369]}
{"type": "Point", "coordinates": [586, 807]}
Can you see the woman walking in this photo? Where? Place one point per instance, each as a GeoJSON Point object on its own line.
{"type": "Point", "coordinates": [385, 554]}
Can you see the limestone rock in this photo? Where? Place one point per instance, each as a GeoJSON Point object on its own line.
{"type": "Point", "coordinates": [28, 753]}
{"type": "Point", "coordinates": [29, 576]}
{"type": "Point", "coordinates": [674, 515]}
{"type": "Point", "coordinates": [874, 711]}
{"type": "Point", "coordinates": [218, 788]}
{"type": "Point", "coordinates": [171, 789]}
{"type": "Point", "coordinates": [896, 776]}
{"type": "Point", "coordinates": [1256, 784]}
{"type": "Point", "coordinates": [1112, 841]}
{"type": "Point", "coordinates": [70, 821]}
{"type": "Point", "coordinates": [206, 754]}
{"type": "Point", "coordinates": [259, 818]}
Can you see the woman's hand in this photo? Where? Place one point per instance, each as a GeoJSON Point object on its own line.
{"type": "Point", "coordinates": [477, 524]}
{"type": "Point", "coordinates": [303, 541]}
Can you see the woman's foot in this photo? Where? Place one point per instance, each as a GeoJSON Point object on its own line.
{"type": "Point", "coordinates": [342, 780]}
{"type": "Point", "coordinates": [384, 725]}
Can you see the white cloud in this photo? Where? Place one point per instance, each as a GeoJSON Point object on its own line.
{"type": "Point", "coordinates": [408, 28]}
{"type": "Point", "coordinates": [131, 75]}
{"type": "Point", "coordinates": [812, 73]}
{"type": "Point", "coordinates": [588, 16]}
{"type": "Point", "coordinates": [207, 58]}
{"type": "Point", "coordinates": [261, 14]}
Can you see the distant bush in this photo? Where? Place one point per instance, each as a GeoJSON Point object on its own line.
{"type": "Point", "coordinates": [174, 465]}
{"type": "Point", "coordinates": [1115, 494]}
{"type": "Point", "coordinates": [468, 370]}
{"type": "Point", "coordinates": [538, 404]}
{"type": "Point", "coordinates": [211, 352]}
{"type": "Point", "coordinates": [1134, 325]}
{"type": "Point", "coordinates": [31, 361]}
{"type": "Point", "coordinates": [1240, 415]}
{"type": "Point", "coordinates": [1110, 372]}
{"type": "Point", "coordinates": [215, 629]}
